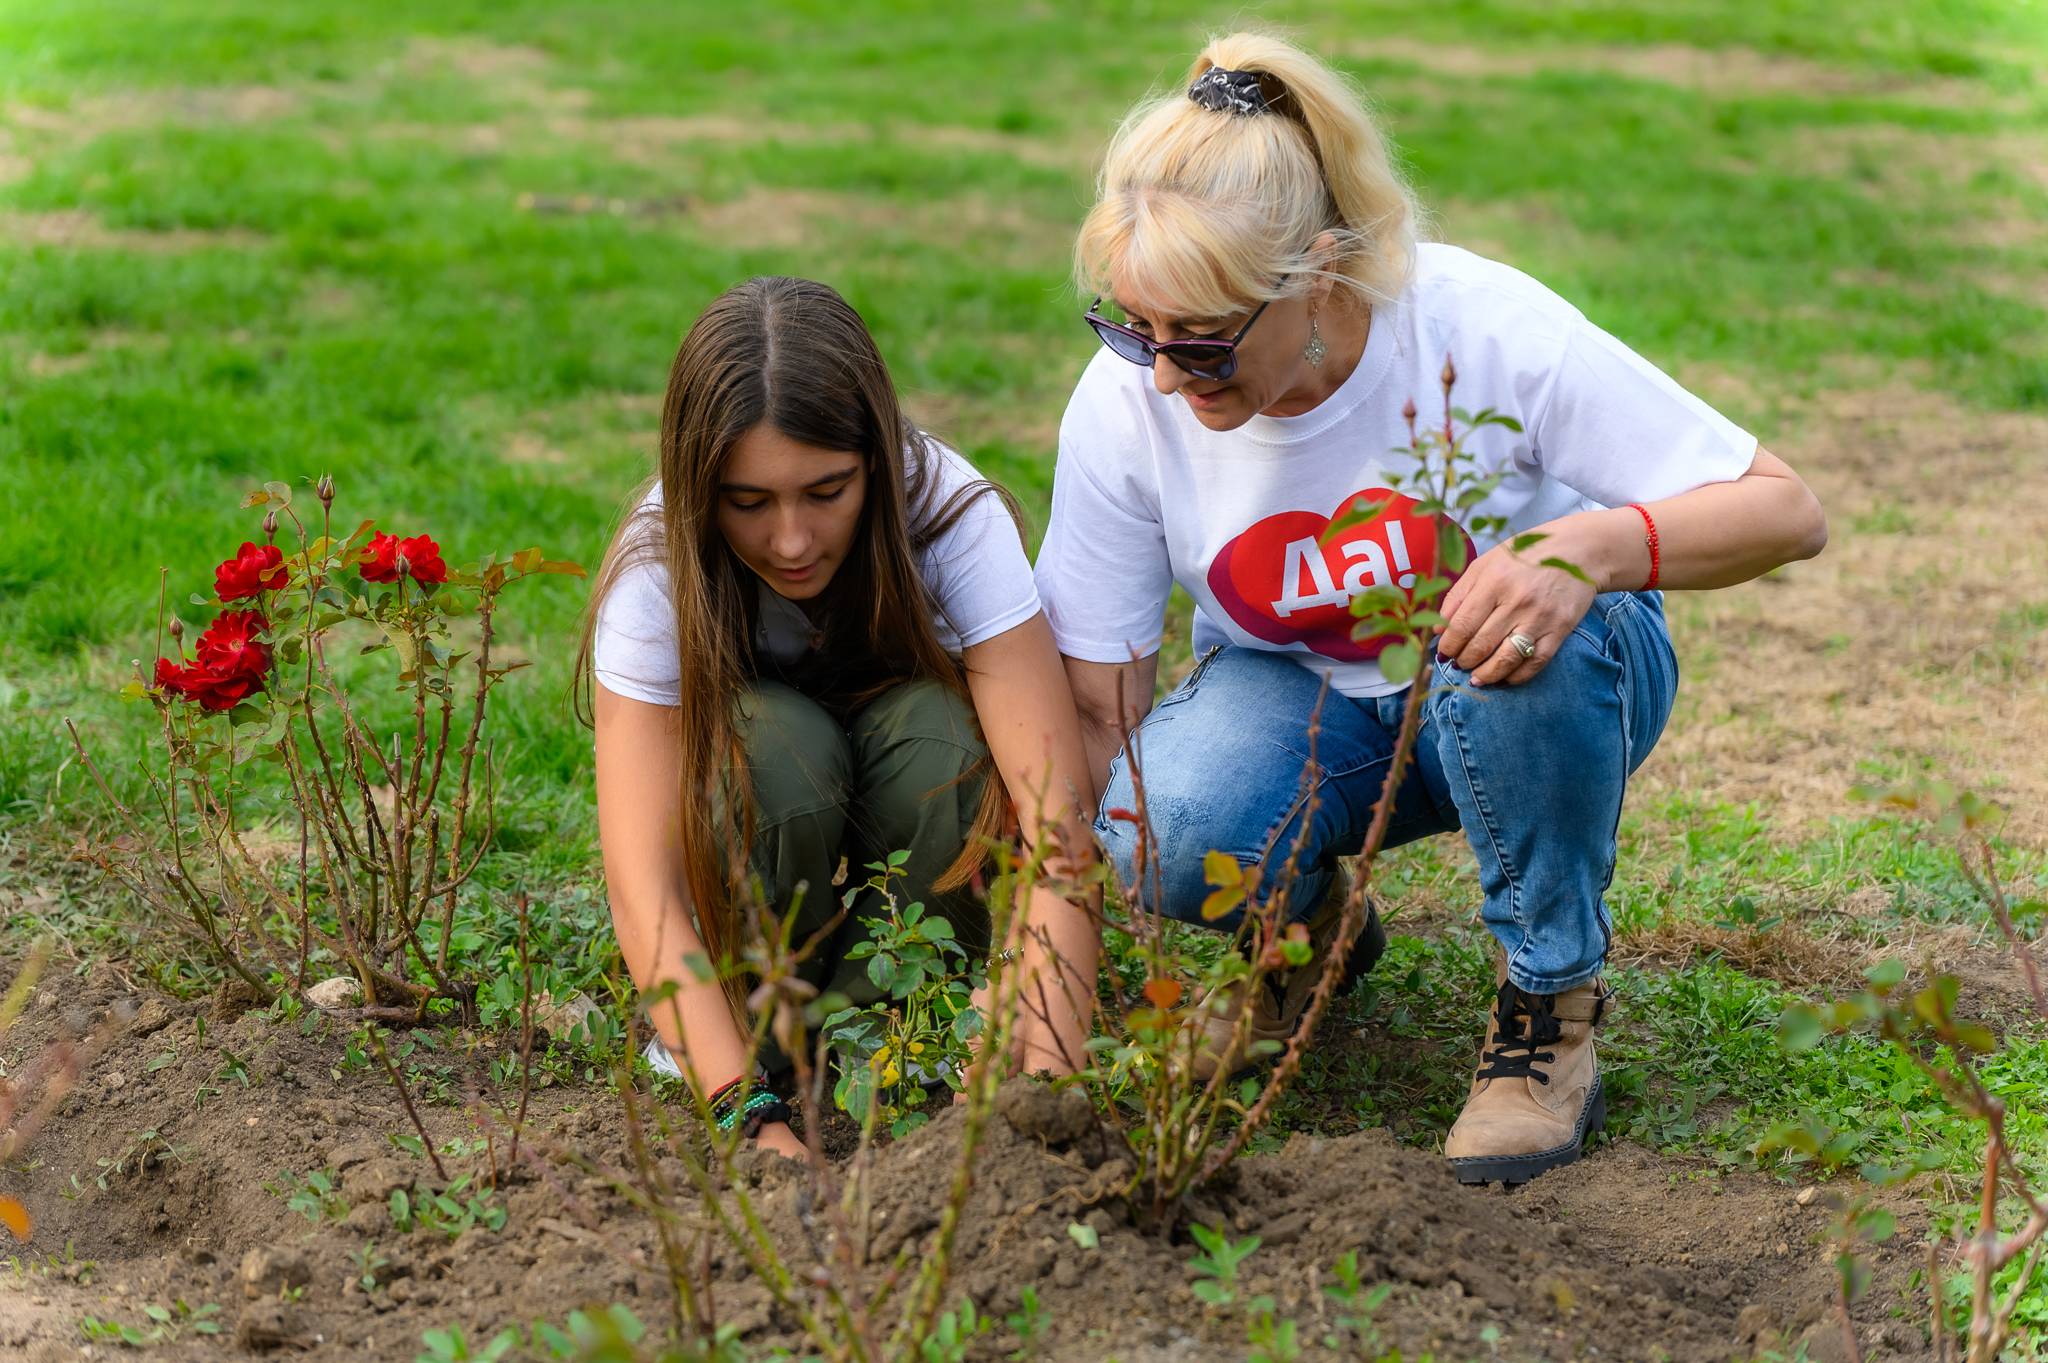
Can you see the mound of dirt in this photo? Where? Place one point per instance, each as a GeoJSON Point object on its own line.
{"type": "Point", "coordinates": [149, 1189]}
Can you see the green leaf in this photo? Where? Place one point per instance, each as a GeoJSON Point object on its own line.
{"type": "Point", "coordinates": [1567, 566]}
{"type": "Point", "coordinates": [1083, 1235]}
{"type": "Point", "coordinates": [1222, 870]}
{"type": "Point", "coordinates": [1400, 662]}
{"type": "Point", "coordinates": [1528, 541]}
{"type": "Point", "coordinates": [1221, 902]}
{"type": "Point", "coordinates": [1800, 1029]}
{"type": "Point", "coordinates": [1361, 511]}
{"type": "Point", "coordinates": [1886, 975]}
{"type": "Point", "coordinates": [1976, 1037]}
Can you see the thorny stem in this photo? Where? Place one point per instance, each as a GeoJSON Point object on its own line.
{"type": "Point", "coordinates": [682, 1303]}
{"type": "Point", "coordinates": [1350, 925]}
{"type": "Point", "coordinates": [525, 1025]}
{"type": "Point", "coordinates": [405, 1098]}
{"type": "Point", "coordinates": [182, 883]}
{"type": "Point", "coordinates": [486, 603]}
{"type": "Point", "coordinates": [982, 1077]}
{"type": "Point", "coordinates": [1849, 1341]}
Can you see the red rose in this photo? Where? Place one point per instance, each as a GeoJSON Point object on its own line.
{"type": "Point", "coordinates": [423, 559]}
{"type": "Point", "coordinates": [228, 665]}
{"type": "Point", "coordinates": [223, 691]}
{"type": "Point", "coordinates": [379, 558]}
{"type": "Point", "coordinates": [229, 647]}
{"type": "Point", "coordinates": [176, 678]}
{"type": "Point", "coordinates": [254, 568]}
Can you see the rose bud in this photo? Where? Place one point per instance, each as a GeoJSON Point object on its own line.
{"type": "Point", "coordinates": [270, 524]}
{"type": "Point", "coordinates": [1450, 372]}
{"type": "Point", "coordinates": [177, 629]}
{"type": "Point", "coordinates": [403, 565]}
{"type": "Point", "coordinates": [324, 489]}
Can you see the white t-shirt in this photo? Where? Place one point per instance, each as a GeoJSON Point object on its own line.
{"type": "Point", "coordinates": [1146, 496]}
{"type": "Point", "coordinates": [976, 571]}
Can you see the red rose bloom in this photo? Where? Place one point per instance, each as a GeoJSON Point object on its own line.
{"type": "Point", "coordinates": [423, 559]}
{"type": "Point", "coordinates": [228, 665]}
{"type": "Point", "coordinates": [230, 648]}
{"type": "Point", "coordinates": [223, 691]}
{"type": "Point", "coordinates": [379, 558]}
{"type": "Point", "coordinates": [175, 678]}
{"type": "Point", "coordinates": [254, 568]}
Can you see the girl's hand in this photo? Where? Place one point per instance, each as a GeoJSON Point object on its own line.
{"type": "Point", "coordinates": [1502, 595]}
{"type": "Point", "coordinates": [778, 1137]}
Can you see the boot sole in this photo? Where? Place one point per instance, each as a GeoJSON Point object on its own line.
{"type": "Point", "coordinates": [1512, 1171]}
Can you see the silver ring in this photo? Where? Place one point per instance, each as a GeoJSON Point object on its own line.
{"type": "Point", "coordinates": [1524, 645]}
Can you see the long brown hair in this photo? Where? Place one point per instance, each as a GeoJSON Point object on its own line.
{"type": "Point", "coordinates": [794, 354]}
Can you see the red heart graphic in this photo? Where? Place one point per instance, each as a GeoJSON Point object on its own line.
{"type": "Point", "coordinates": [1278, 584]}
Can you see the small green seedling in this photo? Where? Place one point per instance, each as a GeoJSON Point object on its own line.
{"type": "Point", "coordinates": [1217, 1287]}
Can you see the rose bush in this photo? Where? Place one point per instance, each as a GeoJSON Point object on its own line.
{"type": "Point", "coordinates": [390, 797]}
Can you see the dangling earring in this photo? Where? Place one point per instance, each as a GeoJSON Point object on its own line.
{"type": "Point", "coordinates": [1314, 351]}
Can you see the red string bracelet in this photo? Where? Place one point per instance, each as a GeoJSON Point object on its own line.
{"type": "Point", "coordinates": [1650, 539]}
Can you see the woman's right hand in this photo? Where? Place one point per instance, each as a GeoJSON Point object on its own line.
{"type": "Point", "coordinates": [778, 1137]}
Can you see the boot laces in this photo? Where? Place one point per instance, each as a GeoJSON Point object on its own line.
{"type": "Point", "coordinates": [1520, 1050]}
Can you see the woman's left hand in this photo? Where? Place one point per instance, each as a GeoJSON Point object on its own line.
{"type": "Point", "coordinates": [1501, 595]}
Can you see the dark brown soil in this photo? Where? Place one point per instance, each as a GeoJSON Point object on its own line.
{"type": "Point", "coordinates": [1628, 1255]}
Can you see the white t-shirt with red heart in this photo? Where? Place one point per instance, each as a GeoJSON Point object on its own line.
{"type": "Point", "coordinates": [1146, 496]}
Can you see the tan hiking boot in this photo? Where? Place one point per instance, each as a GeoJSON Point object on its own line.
{"type": "Point", "coordinates": [1282, 997]}
{"type": "Point", "coordinates": [1536, 1095]}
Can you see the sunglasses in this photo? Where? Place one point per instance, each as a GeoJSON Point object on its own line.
{"type": "Point", "coordinates": [1209, 357]}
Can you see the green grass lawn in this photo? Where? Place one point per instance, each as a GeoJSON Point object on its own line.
{"type": "Point", "coordinates": [444, 251]}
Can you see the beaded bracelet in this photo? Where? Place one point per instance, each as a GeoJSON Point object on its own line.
{"type": "Point", "coordinates": [752, 1112]}
{"type": "Point", "coordinates": [726, 1095]}
{"type": "Point", "coordinates": [1649, 539]}
{"type": "Point", "coordinates": [759, 1115]}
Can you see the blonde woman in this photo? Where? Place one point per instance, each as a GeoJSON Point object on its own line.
{"type": "Point", "coordinates": [1266, 311]}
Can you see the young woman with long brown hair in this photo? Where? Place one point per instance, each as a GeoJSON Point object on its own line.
{"type": "Point", "coordinates": [816, 635]}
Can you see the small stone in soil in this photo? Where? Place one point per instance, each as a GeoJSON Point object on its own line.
{"type": "Point", "coordinates": [338, 991]}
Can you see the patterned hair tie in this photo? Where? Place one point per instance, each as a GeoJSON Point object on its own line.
{"type": "Point", "coordinates": [1230, 92]}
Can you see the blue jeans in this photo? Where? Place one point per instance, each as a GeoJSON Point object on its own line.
{"type": "Point", "coordinates": [1534, 774]}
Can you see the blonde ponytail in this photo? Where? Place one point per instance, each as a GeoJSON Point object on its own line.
{"type": "Point", "coordinates": [1202, 211]}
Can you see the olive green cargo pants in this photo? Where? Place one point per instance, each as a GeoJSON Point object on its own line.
{"type": "Point", "coordinates": [895, 779]}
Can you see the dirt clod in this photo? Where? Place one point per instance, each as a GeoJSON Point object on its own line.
{"type": "Point", "coordinates": [268, 1270]}
{"type": "Point", "coordinates": [374, 1181]}
{"type": "Point", "coordinates": [268, 1325]}
{"type": "Point", "coordinates": [152, 1017]}
{"type": "Point", "coordinates": [1057, 1116]}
